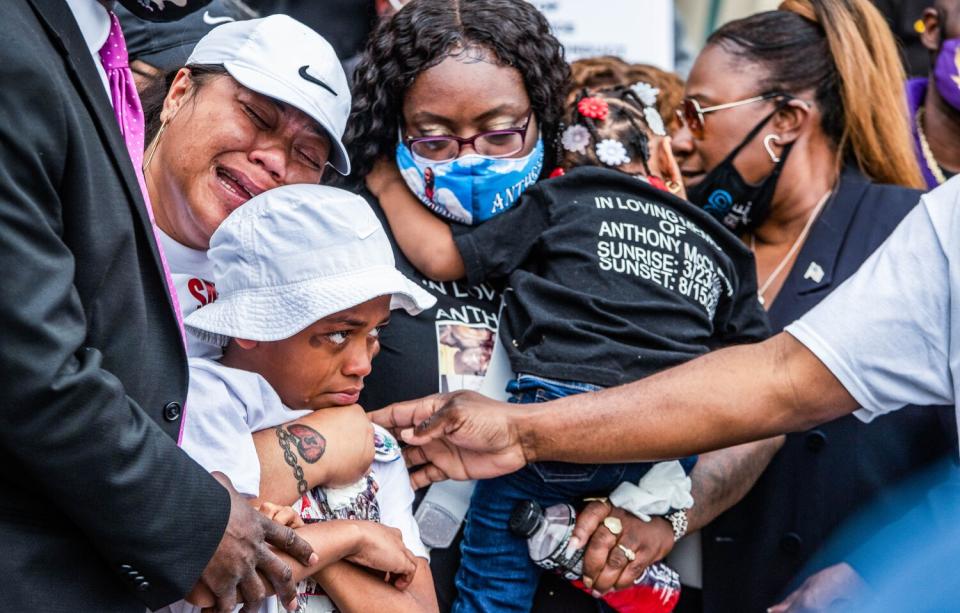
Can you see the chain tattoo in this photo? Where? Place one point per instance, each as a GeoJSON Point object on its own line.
{"type": "Point", "coordinates": [284, 439]}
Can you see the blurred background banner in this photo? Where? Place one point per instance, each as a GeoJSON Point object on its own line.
{"type": "Point", "coordinates": [638, 31]}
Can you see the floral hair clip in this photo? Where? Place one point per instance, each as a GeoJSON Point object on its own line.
{"type": "Point", "coordinates": [647, 94]}
{"type": "Point", "coordinates": [594, 108]}
{"type": "Point", "coordinates": [612, 152]}
{"type": "Point", "coordinates": [576, 138]}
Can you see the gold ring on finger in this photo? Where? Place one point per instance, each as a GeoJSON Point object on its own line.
{"type": "Point", "coordinates": [627, 552]}
{"type": "Point", "coordinates": [602, 499]}
{"type": "Point", "coordinates": [613, 524]}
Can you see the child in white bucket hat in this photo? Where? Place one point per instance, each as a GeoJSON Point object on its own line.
{"type": "Point", "coordinates": [306, 278]}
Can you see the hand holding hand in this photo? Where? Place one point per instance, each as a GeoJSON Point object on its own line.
{"type": "Point", "coordinates": [244, 550]}
{"type": "Point", "coordinates": [283, 515]}
{"type": "Point", "coordinates": [462, 435]}
{"type": "Point", "coordinates": [605, 564]}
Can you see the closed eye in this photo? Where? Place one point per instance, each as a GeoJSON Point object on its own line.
{"type": "Point", "coordinates": [310, 160]}
{"type": "Point", "coordinates": [255, 117]}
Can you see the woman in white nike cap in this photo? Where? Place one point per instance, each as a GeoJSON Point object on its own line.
{"type": "Point", "coordinates": [260, 103]}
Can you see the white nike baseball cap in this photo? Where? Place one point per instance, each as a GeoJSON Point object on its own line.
{"type": "Point", "coordinates": [293, 255]}
{"type": "Point", "coordinates": [279, 57]}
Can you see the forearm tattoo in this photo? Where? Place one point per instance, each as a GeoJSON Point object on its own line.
{"type": "Point", "coordinates": [310, 446]}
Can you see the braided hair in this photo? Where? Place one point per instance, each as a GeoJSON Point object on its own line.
{"type": "Point", "coordinates": [625, 122]}
{"type": "Point", "coordinates": [423, 34]}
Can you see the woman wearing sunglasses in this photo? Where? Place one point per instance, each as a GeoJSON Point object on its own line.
{"type": "Point", "coordinates": [795, 136]}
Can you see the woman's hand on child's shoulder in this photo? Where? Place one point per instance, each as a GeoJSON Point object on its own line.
{"type": "Point", "coordinates": [380, 547]}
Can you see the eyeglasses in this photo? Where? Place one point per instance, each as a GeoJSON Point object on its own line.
{"type": "Point", "coordinates": [492, 144]}
{"type": "Point", "coordinates": [691, 113]}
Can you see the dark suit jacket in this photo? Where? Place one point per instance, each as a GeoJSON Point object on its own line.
{"type": "Point", "coordinates": [99, 509]}
{"type": "Point", "coordinates": [754, 553]}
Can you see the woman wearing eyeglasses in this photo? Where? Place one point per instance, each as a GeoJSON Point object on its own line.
{"type": "Point", "coordinates": [795, 137]}
{"type": "Point", "coordinates": [439, 79]}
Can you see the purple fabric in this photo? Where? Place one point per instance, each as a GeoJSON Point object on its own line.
{"type": "Point", "coordinates": [916, 94]}
{"type": "Point", "coordinates": [129, 113]}
{"type": "Point", "coordinates": [946, 72]}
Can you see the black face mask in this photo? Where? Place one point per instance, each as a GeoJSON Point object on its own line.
{"type": "Point", "coordinates": [162, 10]}
{"type": "Point", "coordinates": [725, 194]}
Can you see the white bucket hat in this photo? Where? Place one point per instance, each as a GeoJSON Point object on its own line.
{"type": "Point", "coordinates": [279, 57]}
{"type": "Point", "coordinates": [293, 255]}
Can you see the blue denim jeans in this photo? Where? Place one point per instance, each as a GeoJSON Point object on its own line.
{"type": "Point", "coordinates": [496, 573]}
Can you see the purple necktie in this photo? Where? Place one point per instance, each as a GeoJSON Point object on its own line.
{"type": "Point", "coordinates": [126, 106]}
{"type": "Point", "coordinates": [129, 112]}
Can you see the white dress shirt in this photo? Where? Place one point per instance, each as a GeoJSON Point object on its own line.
{"type": "Point", "coordinates": [94, 22]}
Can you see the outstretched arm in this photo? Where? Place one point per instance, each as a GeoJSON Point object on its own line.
{"type": "Point", "coordinates": [721, 399]}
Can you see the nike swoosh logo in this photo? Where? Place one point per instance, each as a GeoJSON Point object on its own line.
{"type": "Point", "coordinates": [212, 21]}
{"type": "Point", "coordinates": [309, 77]}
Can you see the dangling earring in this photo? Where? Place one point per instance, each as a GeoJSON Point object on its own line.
{"type": "Point", "coordinates": [766, 145]}
{"type": "Point", "coordinates": [154, 145]}
{"type": "Point", "coordinates": [673, 186]}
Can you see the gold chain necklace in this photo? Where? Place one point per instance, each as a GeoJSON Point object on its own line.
{"type": "Point", "coordinates": [932, 165]}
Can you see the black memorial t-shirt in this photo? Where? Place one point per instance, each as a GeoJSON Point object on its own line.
{"type": "Point", "coordinates": [445, 348]}
{"type": "Point", "coordinates": [612, 279]}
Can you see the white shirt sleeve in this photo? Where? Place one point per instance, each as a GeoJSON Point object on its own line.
{"type": "Point", "coordinates": [395, 499]}
{"type": "Point", "coordinates": [216, 433]}
{"type": "Point", "coordinates": [885, 333]}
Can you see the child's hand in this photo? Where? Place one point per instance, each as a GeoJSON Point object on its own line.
{"type": "Point", "coordinates": [383, 175]}
{"type": "Point", "coordinates": [381, 548]}
{"type": "Point", "coordinates": [284, 516]}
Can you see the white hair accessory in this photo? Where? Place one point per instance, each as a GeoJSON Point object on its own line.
{"type": "Point", "coordinates": [612, 152]}
{"type": "Point", "coordinates": [645, 92]}
{"type": "Point", "coordinates": [653, 119]}
{"type": "Point", "coordinates": [575, 138]}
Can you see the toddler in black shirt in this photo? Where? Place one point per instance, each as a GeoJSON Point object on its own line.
{"type": "Point", "coordinates": [611, 278]}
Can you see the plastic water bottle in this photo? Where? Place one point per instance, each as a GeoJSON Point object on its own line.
{"type": "Point", "coordinates": [548, 532]}
{"type": "Point", "coordinates": [442, 511]}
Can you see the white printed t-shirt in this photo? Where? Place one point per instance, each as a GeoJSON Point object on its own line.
{"type": "Point", "coordinates": [191, 271]}
{"type": "Point", "coordinates": [228, 404]}
{"type": "Point", "coordinates": [888, 333]}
